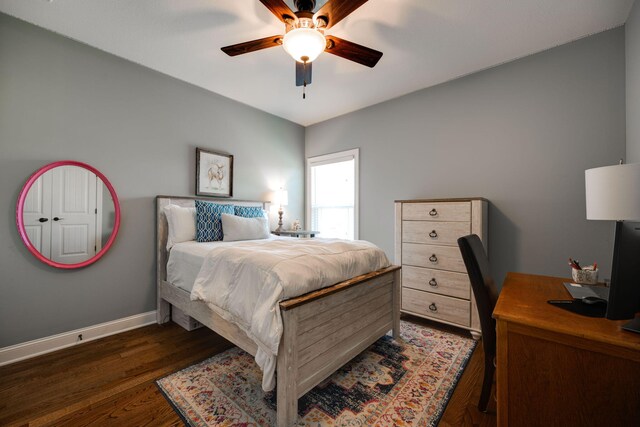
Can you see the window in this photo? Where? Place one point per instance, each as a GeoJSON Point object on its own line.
{"type": "Point", "coordinates": [332, 194]}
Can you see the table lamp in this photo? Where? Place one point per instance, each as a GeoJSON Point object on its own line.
{"type": "Point", "coordinates": [613, 194]}
{"type": "Point", "coordinates": [282, 198]}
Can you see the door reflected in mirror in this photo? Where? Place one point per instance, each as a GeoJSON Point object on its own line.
{"type": "Point", "coordinates": [68, 214]}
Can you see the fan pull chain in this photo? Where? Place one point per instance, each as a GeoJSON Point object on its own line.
{"type": "Point", "coordinates": [304, 86]}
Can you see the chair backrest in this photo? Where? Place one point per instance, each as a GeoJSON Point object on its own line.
{"type": "Point", "coordinates": [484, 288]}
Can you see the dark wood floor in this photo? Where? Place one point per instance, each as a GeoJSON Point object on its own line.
{"type": "Point", "coordinates": [111, 382]}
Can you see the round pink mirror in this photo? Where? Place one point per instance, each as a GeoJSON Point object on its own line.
{"type": "Point", "coordinates": [68, 214]}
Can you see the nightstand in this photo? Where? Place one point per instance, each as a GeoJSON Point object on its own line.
{"type": "Point", "coordinates": [297, 233]}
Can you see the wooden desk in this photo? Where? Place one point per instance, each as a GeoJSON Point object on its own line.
{"type": "Point", "coordinates": [557, 368]}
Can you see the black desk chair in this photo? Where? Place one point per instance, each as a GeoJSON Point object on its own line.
{"type": "Point", "coordinates": [486, 294]}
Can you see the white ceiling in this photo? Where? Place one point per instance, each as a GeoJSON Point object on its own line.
{"type": "Point", "coordinates": [425, 42]}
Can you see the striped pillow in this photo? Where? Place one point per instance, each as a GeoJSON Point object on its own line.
{"type": "Point", "coordinates": [208, 220]}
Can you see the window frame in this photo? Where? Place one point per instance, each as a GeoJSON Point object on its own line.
{"type": "Point", "coordinates": [324, 159]}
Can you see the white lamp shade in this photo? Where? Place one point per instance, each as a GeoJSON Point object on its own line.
{"type": "Point", "coordinates": [282, 197]}
{"type": "Point", "coordinates": [613, 192]}
{"type": "Point", "coordinates": [304, 42]}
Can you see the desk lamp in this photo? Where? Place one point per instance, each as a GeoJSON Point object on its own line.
{"type": "Point", "coordinates": [613, 194]}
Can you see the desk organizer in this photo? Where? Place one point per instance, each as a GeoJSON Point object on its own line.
{"type": "Point", "coordinates": [585, 276]}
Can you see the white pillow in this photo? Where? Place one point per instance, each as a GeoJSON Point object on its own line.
{"type": "Point", "coordinates": [238, 228]}
{"type": "Point", "coordinates": [182, 224]}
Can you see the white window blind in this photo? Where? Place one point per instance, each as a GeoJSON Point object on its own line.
{"type": "Point", "coordinates": [332, 194]}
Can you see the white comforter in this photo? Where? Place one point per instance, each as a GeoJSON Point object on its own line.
{"type": "Point", "coordinates": [245, 282]}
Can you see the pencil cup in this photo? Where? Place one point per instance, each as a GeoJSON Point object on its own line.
{"type": "Point", "coordinates": [585, 277]}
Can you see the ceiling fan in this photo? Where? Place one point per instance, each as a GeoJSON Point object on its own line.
{"type": "Point", "coordinates": [304, 37]}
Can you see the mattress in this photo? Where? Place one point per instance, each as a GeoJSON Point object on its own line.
{"type": "Point", "coordinates": [186, 258]}
{"type": "Point", "coordinates": [244, 283]}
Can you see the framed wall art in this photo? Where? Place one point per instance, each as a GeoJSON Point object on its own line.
{"type": "Point", "coordinates": [214, 173]}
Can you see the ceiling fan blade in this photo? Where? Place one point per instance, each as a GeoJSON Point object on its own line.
{"type": "Point", "coordinates": [336, 10]}
{"type": "Point", "coordinates": [303, 73]}
{"type": "Point", "coordinates": [252, 46]}
{"type": "Point", "coordinates": [280, 9]}
{"type": "Point", "coordinates": [352, 51]}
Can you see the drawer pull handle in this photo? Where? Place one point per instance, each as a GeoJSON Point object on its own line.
{"type": "Point", "coordinates": [433, 258]}
{"type": "Point", "coordinates": [433, 282]}
{"type": "Point", "coordinates": [433, 307]}
{"type": "Point", "coordinates": [433, 212]}
{"type": "Point", "coordinates": [433, 234]}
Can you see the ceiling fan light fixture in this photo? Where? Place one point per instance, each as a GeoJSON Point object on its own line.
{"type": "Point", "coordinates": [304, 42]}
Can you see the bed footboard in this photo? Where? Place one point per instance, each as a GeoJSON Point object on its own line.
{"type": "Point", "coordinates": [323, 331]}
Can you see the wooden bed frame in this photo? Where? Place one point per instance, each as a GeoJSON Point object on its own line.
{"type": "Point", "coordinates": [322, 330]}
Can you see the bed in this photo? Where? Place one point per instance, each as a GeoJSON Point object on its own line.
{"type": "Point", "coordinates": [349, 313]}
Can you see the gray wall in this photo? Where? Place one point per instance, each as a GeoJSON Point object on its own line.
{"type": "Point", "coordinates": [521, 135]}
{"type": "Point", "coordinates": [632, 33]}
{"type": "Point", "coordinates": [60, 99]}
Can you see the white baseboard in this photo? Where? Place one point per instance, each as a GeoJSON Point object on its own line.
{"type": "Point", "coordinates": [40, 346]}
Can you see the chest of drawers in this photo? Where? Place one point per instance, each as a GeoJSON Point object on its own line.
{"type": "Point", "coordinates": [435, 284]}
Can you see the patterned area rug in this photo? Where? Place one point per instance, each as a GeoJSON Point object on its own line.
{"type": "Point", "coordinates": [391, 383]}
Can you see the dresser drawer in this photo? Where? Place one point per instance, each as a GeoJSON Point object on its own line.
{"type": "Point", "coordinates": [433, 256]}
{"type": "Point", "coordinates": [437, 281]}
{"type": "Point", "coordinates": [437, 211]}
{"type": "Point", "coordinates": [436, 232]}
{"type": "Point", "coordinates": [436, 306]}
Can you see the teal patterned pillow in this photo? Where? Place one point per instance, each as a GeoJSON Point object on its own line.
{"type": "Point", "coordinates": [249, 211]}
{"type": "Point", "coordinates": [208, 220]}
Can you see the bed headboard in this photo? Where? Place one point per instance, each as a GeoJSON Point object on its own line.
{"type": "Point", "coordinates": [162, 229]}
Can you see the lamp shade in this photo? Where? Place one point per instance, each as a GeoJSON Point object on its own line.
{"type": "Point", "coordinates": [282, 197]}
{"type": "Point", "coordinates": [304, 42]}
{"type": "Point", "coordinates": [613, 192]}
